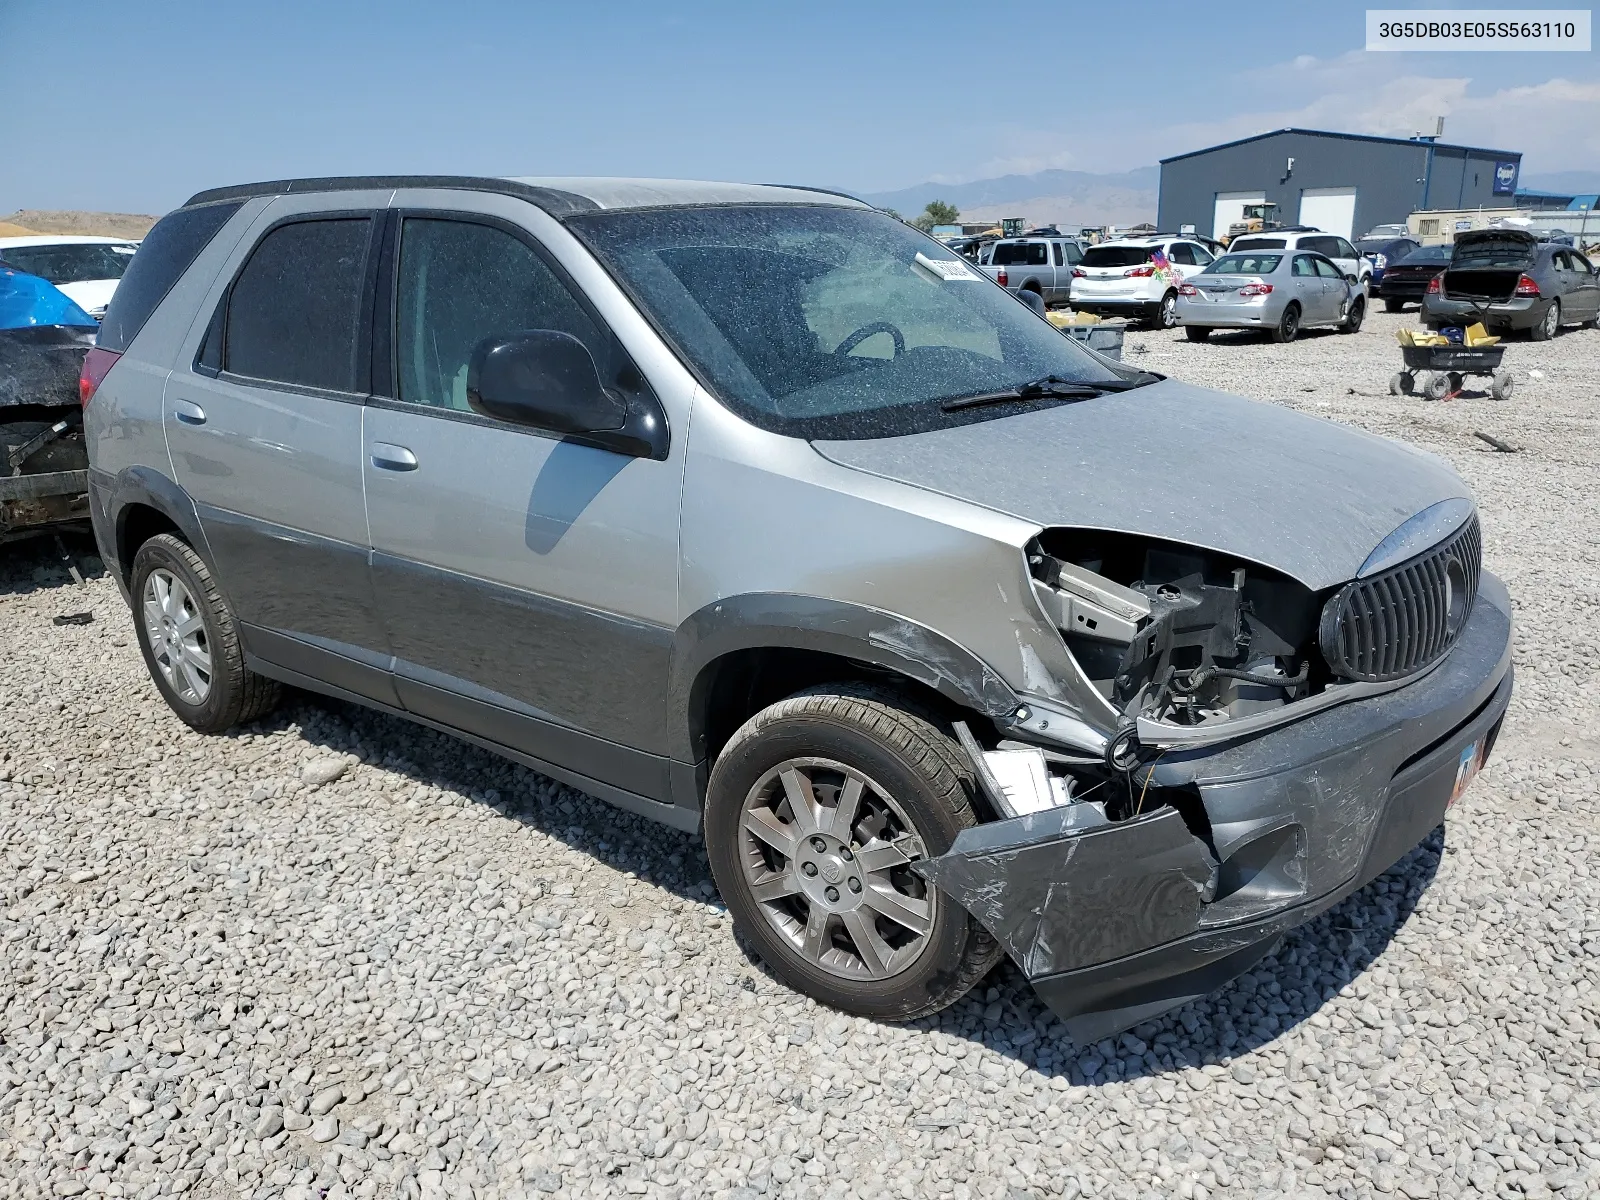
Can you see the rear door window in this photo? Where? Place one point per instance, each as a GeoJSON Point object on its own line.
{"type": "Point", "coordinates": [166, 253]}
{"type": "Point", "coordinates": [1304, 265]}
{"type": "Point", "coordinates": [1182, 253]}
{"type": "Point", "coordinates": [294, 312]}
{"type": "Point", "coordinates": [1057, 251]}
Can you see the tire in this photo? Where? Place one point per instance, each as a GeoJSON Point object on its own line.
{"type": "Point", "coordinates": [1197, 333]}
{"type": "Point", "coordinates": [1288, 326]}
{"type": "Point", "coordinates": [1167, 311]}
{"type": "Point", "coordinates": [1437, 387]}
{"type": "Point", "coordinates": [908, 768]}
{"type": "Point", "coordinates": [1547, 327]}
{"type": "Point", "coordinates": [1402, 383]}
{"type": "Point", "coordinates": [1390, 304]}
{"type": "Point", "coordinates": [1353, 319]}
{"type": "Point", "coordinates": [169, 581]}
{"type": "Point", "coordinates": [1502, 386]}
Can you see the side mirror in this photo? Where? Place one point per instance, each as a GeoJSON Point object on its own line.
{"type": "Point", "coordinates": [1031, 298]}
{"type": "Point", "coordinates": [542, 378]}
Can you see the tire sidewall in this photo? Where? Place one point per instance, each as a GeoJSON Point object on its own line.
{"type": "Point", "coordinates": [1289, 324]}
{"type": "Point", "coordinates": [1167, 311]}
{"type": "Point", "coordinates": [157, 554]}
{"type": "Point", "coordinates": [736, 772]}
{"type": "Point", "coordinates": [1358, 314]}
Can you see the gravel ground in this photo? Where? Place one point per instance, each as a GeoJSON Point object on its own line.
{"type": "Point", "coordinates": [336, 954]}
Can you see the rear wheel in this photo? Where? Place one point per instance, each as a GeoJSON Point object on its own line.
{"type": "Point", "coordinates": [190, 640]}
{"type": "Point", "coordinates": [1502, 385]}
{"type": "Point", "coordinates": [815, 811]}
{"type": "Point", "coordinates": [1546, 329]}
{"type": "Point", "coordinates": [1437, 387]}
{"type": "Point", "coordinates": [1390, 304]}
{"type": "Point", "coordinates": [1288, 326]}
{"type": "Point", "coordinates": [1197, 333]}
{"type": "Point", "coordinates": [1167, 311]}
{"type": "Point", "coordinates": [1402, 383]}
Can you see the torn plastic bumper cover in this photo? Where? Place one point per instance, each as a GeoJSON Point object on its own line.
{"type": "Point", "coordinates": [1118, 922]}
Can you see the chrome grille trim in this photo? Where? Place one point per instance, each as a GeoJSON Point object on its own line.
{"type": "Point", "coordinates": [1399, 621]}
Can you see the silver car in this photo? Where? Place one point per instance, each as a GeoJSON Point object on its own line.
{"type": "Point", "coordinates": [1278, 291]}
{"type": "Point", "coordinates": [757, 512]}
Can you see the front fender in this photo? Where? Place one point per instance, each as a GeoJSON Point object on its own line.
{"type": "Point", "coordinates": [775, 620]}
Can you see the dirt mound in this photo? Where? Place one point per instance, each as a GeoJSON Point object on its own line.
{"type": "Point", "coordinates": [101, 224]}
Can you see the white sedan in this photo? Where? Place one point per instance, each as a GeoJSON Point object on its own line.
{"type": "Point", "coordinates": [87, 269]}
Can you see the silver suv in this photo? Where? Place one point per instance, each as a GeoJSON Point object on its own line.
{"type": "Point", "coordinates": [754, 510]}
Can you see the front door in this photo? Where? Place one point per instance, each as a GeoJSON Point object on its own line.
{"type": "Point", "coordinates": [264, 427]}
{"type": "Point", "coordinates": [528, 582]}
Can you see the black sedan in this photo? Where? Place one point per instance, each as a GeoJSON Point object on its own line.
{"type": "Point", "coordinates": [1510, 280]}
{"type": "Point", "coordinates": [1380, 252]}
{"type": "Point", "coordinates": [1405, 280]}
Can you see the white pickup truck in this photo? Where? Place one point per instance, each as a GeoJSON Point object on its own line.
{"type": "Point", "coordinates": [1034, 264]}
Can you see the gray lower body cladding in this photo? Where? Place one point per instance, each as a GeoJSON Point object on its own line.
{"type": "Point", "coordinates": [1117, 923]}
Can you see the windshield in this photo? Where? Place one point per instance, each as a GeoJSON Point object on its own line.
{"type": "Point", "coordinates": [71, 263]}
{"type": "Point", "coordinates": [1116, 256]}
{"type": "Point", "coordinates": [1020, 254]}
{"type": "Point", "coordinates": [1244, 264]}
{"type": "Point", "coordinates": [824, 322]}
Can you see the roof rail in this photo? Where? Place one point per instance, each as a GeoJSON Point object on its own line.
{"type": "Point", "coordinates": [554, 201]}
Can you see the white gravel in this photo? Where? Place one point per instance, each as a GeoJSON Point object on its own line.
{"type": "Point", "coordinates": [340, 955]}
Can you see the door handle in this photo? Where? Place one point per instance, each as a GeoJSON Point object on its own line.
{"type": "Point", "coordinates": [188, 412]}
{"type": "Point", "coordinates": [389, 457]}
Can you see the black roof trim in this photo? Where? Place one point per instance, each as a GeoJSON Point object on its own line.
{"type": "Point", "coordinates": [1349, 137]}
{"type": "Point", "coordinates": [554, 201]}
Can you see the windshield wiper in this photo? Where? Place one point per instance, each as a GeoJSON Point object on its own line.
{"type": "Point", "coordinates": [1052, 387]}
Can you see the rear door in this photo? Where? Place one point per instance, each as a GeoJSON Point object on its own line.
{"type": "Point", "coordinates": [263, 421]}
{"type": "Point", "coordinates": [1309, 289]}
{"type": "Point", "coordinates": [528, 582]}
{"type": "Point", "coordinates": [1588, 285]}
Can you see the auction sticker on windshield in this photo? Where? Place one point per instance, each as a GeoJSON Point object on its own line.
{"type": "Point", "coordinates": [947, 269]}
{"type": "Point", "coordinates": [1478, 29]}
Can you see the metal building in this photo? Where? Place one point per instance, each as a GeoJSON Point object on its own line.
{"type": "Point", "coordinates": [1344, 183]}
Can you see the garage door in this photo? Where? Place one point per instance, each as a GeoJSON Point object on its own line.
{"type": "Point", "coordinates": [1230, 208]}
{"type": "Point", "coordinates": [1332, 210]}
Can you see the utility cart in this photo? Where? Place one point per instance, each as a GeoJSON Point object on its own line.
{"type": "Point", "coordinates": [1443, 369]}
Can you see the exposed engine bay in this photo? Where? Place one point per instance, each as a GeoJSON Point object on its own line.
{"type": "Point", "coordinates": [1177, 634]}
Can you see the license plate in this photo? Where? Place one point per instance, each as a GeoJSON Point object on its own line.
{"type": "Point", "coordinates": [1467, 768]}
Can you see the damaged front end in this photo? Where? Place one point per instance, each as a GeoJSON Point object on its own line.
{"type": "Point", "coordinates": [1240, 794]}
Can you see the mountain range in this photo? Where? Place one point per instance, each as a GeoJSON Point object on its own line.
{"type": "Point", "coordinates": [1073, 197]}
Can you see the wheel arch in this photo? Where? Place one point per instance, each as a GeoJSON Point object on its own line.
{"type": "Point", "coordinates": [735, 656]}
{"type": "Point", "coordinates": [141, 503]}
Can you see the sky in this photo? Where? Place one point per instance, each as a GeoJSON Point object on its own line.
{"type": "Point", "coordinates": [133, 106]}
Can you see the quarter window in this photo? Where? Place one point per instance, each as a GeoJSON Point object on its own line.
{"type": "Point", "coordinates": [461, 283]}
{"type": "Point", "coordinates": [294, 313]}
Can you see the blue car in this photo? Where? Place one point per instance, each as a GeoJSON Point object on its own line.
{"type": "Point", "coordinates": [1380, 252]}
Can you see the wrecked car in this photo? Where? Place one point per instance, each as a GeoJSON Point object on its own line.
{"type": "Point", "coordinates": [753, 510]}
{"type": "Point", "coordinates": [44, 336]}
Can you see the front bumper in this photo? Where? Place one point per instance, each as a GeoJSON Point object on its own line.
{"type": "Point", "coordinates": [1117, 923]}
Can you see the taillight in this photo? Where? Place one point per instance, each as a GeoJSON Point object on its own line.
{"type": "Point", "coordinates": [1188, 289]}
{"type": "Point", "coordinates": [1143, 272]}
{"type": "Point", "coordinates": [1256, 289]}
{"type": "Point", "coordinates": [1380, 261]}
{"type": "Point", "coordinates": [1079, 273]}
{"type": "Point", "coordinates": [1435, 286]}
{"type": "Point", "coordinates": [95, 365]}
{"type": "Point", "coordinates": [1003, 279]}
{"type": "Point", "coordinates": [1526, 287]}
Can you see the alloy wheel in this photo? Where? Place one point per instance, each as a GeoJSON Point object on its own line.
{"type": "Point", "coordinates": [177, 636]}
{"type": "Point", "coordinates": [827, 855]}
{"type": "Point", "coordinates": [1552, 321]}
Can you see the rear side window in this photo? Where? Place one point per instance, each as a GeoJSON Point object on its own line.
{"type": "Point", "coordinates": [1020, 254]}
{"type": "Point", "coordinates": [1116, 256]}
{"type": "Point", "coordinates": [164, 255]}
{"type": "Point", "coordinates": [294, 314]}
{"type": "Point", "coordinates": [1057, 246]}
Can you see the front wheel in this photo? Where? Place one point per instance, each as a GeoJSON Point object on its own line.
{"type": "Point", "coordinates": [1167, 311]}
{"type": "Point", "coordinates": [190, 640]}
{"type": "Point", "coordinates": [1437, 387]}
{"type": "Point", "coordinates": [1502, 385]}
{"type": "Point", "coordinates": [815, 812]}
{"type": "Point", "coordinates": [1546, 329]}
{"type": "Point", "coordinates": [1288, 326]}
{"type": "Point", "coordinates": [1197, 333]}
{"type": "Point", "coordinates": [1353, 318]}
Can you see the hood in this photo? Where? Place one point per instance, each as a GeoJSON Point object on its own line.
{"type": "Point", "coordinates": [1264, 483]}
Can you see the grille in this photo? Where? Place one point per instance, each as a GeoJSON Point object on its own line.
{"type": "Point", "coordinates": [1398, 622]}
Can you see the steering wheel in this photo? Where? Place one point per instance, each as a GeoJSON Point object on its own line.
{"type": "Point", "coordinates": [866, 331]}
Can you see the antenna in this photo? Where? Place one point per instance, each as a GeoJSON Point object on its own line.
{"type": "Point", "coordinates": [1438, 127]}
